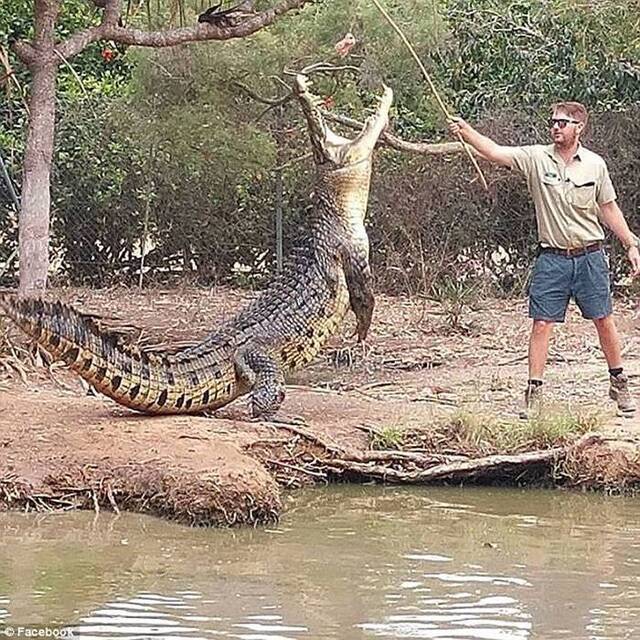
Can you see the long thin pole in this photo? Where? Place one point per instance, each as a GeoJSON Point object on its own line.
{"type": "Point", "coordinates": [147, 211]}
{"type": "Point", "coordinates": [432, 86]}
{"type": "Point", "coordinates": [279, 189]}
{"type": "Point", "coordinates": [16, 203]}
{"type": "Point", "coordinates": [279, 238]}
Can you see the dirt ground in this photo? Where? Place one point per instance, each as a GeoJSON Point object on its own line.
{"type": "Point", "coordinates": [61, 447]}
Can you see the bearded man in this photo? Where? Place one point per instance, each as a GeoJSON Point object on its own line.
{"type": "Point", "coordinates": [573, 194]}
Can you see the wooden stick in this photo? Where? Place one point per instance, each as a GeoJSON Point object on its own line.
{"type": "Point", "coordinates": [432, 86]}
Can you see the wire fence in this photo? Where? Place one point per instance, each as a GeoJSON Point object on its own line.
{"type": "Point", "coordinates": [10, 207]}
{"type": "Point", "coordinates": [122, 214]}
{"type": "Point", "coordinates": [132, 229]}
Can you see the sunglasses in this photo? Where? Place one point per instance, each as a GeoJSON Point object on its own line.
{"type": "Point", "coordinates": [561, 123]}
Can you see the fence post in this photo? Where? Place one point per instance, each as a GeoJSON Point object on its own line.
{"type": "Point", "coordinates": [16, 203]}
{"type": "Point", "coordinates": [279, 241]}
{"type": "Point", "coordinates": [9, 183]}
{"type": "Point", "coordinates": [278, 134]}
{"type": "Point", "coordinates": [147, 210]}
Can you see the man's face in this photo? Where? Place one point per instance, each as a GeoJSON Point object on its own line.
{"type": "Point", "coordinates": [565, 130]}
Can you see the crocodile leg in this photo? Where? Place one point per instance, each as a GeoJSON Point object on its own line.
{"type": "Point", "coordinates": [359, 283]}
{"type": "Point", "coordinates": [260, 372]}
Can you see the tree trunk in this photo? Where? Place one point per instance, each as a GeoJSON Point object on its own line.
{"type": "Point", "coordinates": [36, 197]}
{"type": "Point", "coordinates": [43, 59]}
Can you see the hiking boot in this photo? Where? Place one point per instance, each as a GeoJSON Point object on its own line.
{"type": "Point", "coordinates": [619, 391]}
{"type": "Point", "coordinates": [532, 401]}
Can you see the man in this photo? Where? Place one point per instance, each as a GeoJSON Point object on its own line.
{"type": "Point", "coordinates": [573, 195]}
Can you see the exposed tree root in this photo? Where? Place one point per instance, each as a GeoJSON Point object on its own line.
{"type": "Point", "coordinates": [295, 462]}
{"type": "Point", "coordinates": [196, 500]}
{"type": "Point", "coordinates": [607, 465]}
{"type": "Point", "coordinates": [474, 469]}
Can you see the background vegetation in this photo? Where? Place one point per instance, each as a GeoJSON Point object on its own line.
{"type": "Point", "coordinates": [162, 153]}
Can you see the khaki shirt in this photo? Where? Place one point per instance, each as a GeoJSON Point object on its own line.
{"type": "Point", "coordinates": [566, 196]}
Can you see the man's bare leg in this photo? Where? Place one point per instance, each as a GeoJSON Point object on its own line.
{"type": "Point", "coordinates": [538, 351]}
{"type": "Point", "coordinates": [609, 341]}
{"type": "Point", "coordinates": [539, 347]}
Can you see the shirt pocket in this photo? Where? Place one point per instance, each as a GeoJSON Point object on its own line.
{"type": "Point", "coordinates": [583, 195]}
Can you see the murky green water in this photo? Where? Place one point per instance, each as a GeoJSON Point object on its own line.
{"type": "Point", "coordinates": [345, 562]}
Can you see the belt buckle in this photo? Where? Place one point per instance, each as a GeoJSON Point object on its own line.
{"type": "Point", "coordinates": [576, 251]}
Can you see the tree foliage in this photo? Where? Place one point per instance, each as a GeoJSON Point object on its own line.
{"type": "Point", "coordinates": [162, 152]}
{"type": "Point", "coordinates": [530, 53]}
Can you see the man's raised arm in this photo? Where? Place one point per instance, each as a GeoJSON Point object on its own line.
{"type": "Point", "coordinates": [485, 146]}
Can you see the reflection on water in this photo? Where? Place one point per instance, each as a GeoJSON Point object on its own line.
{"type": "Point", "coordinates": [345, 562]}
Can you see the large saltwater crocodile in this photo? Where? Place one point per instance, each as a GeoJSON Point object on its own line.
{"type": "Point", "coordinates": [283, 329]}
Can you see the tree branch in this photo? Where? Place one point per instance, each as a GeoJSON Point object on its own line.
{"type": "Point", "coordinates": [25, 51]}
{"type": "Point", "coordinates": [111, 12]}
{"type": "Point", "coordinates": [171, 37]}
{"type": "Point", "coordinates": [254, 95]}
{"type": "Point", "coordinates": [46, 14]}
{"type": "Point", "coordinates": [389, 140]}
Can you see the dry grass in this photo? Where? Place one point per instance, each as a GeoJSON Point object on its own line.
{"type": "Point", "coordinates": [389, 437]}
{"type": "Point", "coordinates": [487, 435]}
{"type": "Point", "coordinates": [470, 434]}
{"type": "Point", "coordinates": [14, 359]}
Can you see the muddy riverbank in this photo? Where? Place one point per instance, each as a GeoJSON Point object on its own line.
{"type": "Point", "coordinates": [434, 399]}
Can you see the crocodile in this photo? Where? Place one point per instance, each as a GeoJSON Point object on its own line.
{"type": "Point", "coordinates": [281, 330]}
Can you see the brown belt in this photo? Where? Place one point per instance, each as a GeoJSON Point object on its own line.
{"type": "Point", "coordinates": [572, 253]}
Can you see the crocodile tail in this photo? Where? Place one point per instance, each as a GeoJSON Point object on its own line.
{"type": "Point", "coordinates": [147, 382]}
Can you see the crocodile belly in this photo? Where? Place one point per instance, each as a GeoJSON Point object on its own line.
{"type": "Point", "coordinates": [301, 348]}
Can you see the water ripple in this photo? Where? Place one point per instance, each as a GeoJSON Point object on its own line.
{"type": "Point", "coordinates": [141, 616]}
{"type": "Point", "coordinates": [461, 577]}
{"type": "Point", "coordinates": [457, 614]}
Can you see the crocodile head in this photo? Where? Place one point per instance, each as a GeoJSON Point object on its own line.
{"type": "Point", "coordinates": [343, 165]}
{"type": "Point", "coordinates": [330, 148]}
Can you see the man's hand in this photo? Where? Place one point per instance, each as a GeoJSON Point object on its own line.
{"type": "Point", "coordinates": [457, 126]}
{"type": "Point", "coordinates": [486, 147]}
{"type": "Point", "coordinates": [634, 258]}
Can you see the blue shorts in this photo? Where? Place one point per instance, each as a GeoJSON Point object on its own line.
{"type": "Point", "coordinates": [556, 279]}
